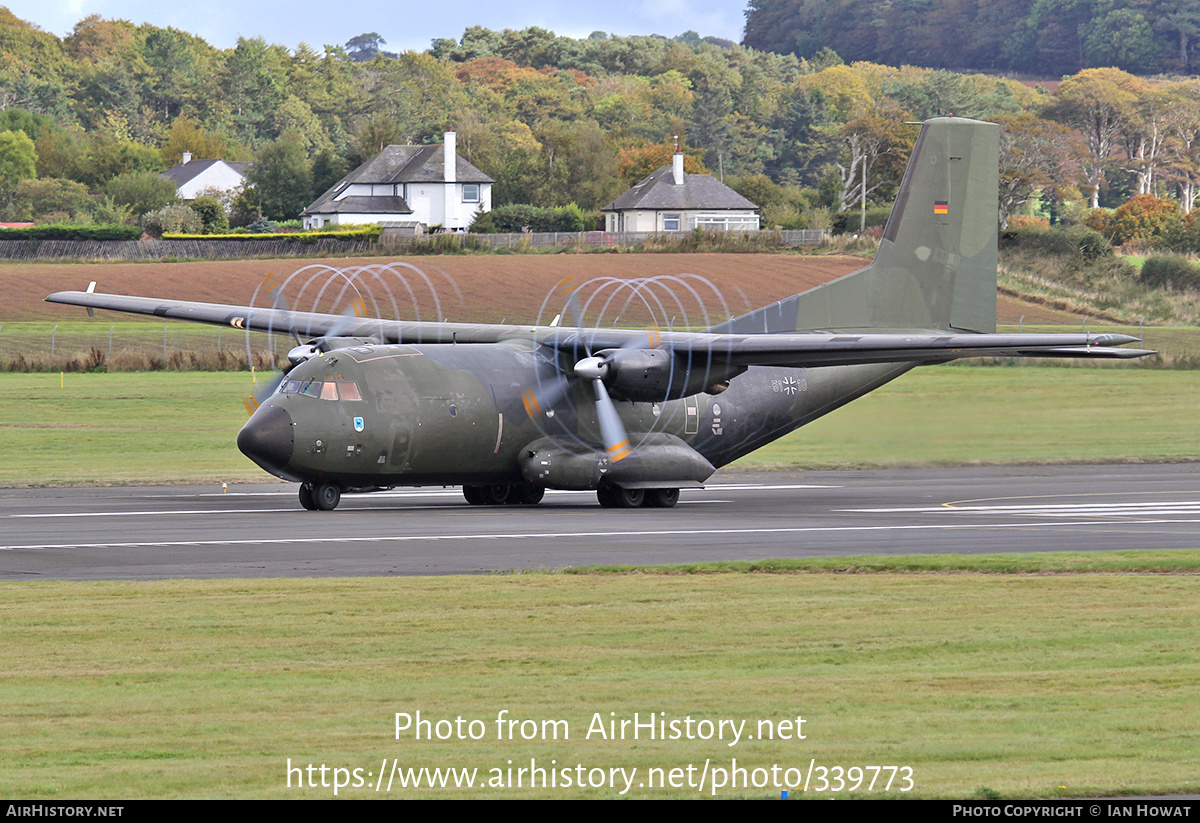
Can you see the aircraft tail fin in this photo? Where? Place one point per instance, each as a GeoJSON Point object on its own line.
{"type": "Point", "coordinates": [936, 264]}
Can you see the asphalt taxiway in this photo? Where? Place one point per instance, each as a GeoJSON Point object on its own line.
{"type": "Point", "coordinates": [260, 531]}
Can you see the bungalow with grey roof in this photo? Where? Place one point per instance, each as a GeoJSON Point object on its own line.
{"type": "Point", "coordinates": [670, 200]}
{"type": "Point", "coordinates": [195, 178]}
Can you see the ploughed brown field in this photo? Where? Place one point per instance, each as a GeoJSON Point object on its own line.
{"type": "Point", "coordinates": [492, 287]}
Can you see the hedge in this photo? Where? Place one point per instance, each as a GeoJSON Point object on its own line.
{"type": "Point", "coordinates": [358, 233]}
{"type": "Point", "coordinates": [65, 231]}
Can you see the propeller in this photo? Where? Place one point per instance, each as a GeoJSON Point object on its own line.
{"type": "Point", "coordinates": [593, 368]}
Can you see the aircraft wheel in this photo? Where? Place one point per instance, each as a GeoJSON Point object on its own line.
{"type": "Point", "coordinates": [474, 495]}
{"type": "Point", "coordinates": [630, 498]}
{"type": "Point", "coordinates": [327, 496]}
{"type": "Point", "coordinates": [496, 494]}
{"type": "Point", "coordinates": [307, 499]}
{"type": "Point", "coordinates": [607, 495]}
{"type": "Point", "coordinates": [615, 497]}
{"type": "Point", "coordinates": [662, 498]}
{"type": "Point", "coordinates": [526, 494]}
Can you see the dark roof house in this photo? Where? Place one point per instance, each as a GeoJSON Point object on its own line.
{"type": "Point", "coordinates": [431, 185]}
{"type": "Point", "coordinates": [670, 200]}
{"type": "Point", "coordinates": [195, 177]}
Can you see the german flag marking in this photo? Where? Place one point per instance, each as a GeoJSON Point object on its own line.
{"type": "Point", "coordinates": [941, 207]}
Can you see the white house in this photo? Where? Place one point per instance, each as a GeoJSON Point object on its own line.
{"type": "Point", "coordinates": [194, 178]}
{"type": "Point", "coordinates": [431, 185]}
{"type": "Point", "coordinates": [669, 200]}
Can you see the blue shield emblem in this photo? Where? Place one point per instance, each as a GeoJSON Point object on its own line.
{"type": "Point", "coordinates": [358, 424]}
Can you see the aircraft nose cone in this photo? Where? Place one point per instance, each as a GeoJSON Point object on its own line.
{"type": "Point", "coordinates": [267, 438]}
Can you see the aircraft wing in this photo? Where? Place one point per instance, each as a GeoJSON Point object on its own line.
{"type": "Point", "coordinates": [791, 349]}
{"type": "Point", "coordinates": [811, 349]}
{"type": "Point", "coordinates": [305, 325]}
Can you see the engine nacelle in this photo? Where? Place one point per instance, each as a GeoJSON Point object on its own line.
{"type": "Point", "coordinates": [654, 375]}
{"type": "Point", "coordinates": [659, 461]}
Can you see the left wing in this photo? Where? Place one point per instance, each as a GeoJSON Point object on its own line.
{"type": "Point", "coordinates": [619, 347]}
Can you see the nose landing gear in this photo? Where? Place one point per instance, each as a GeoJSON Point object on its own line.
{"type": "Point", "coordinates": [320, 496]}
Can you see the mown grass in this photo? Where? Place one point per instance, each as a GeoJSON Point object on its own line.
{"type": "Point", "coordinates": [156, 427]}
{"type": "Point", "coordinates": [1032, 686]}
{"type": "Point", "coordinates": [989, 414]}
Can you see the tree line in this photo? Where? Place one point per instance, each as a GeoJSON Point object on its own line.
{"type": "Point", "coordinates": [88, 121]}
{"type": "Point", "coordinates": [1042, 37]}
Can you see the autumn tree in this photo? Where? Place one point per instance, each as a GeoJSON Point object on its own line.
{"type": "Point", "coordinates": [638, 162]}
{"type": "Point", "coordinates": [1100, 103]}
{"type": "Point", "coordinates": [875, 147]}
{"type": "Point", "coordinates": [1035, 156]}
{"type": "Point", "coordinates": [1182, 123]}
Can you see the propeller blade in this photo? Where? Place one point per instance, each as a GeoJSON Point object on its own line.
{"type": "Point", "coordinates": [279, 301]}
{"type": "Point", "coordinates": [262, 392]}
{"type": "Point", "coordinates": [355, 311]}
{"type": "Point", "coordinates": [540, 400]}
{"type": "Point", "coordinates": [612, 431]}
{"type": "Point", "coordinates": [569, 290]}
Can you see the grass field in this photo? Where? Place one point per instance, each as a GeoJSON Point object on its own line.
{"type": "Point", "coordinates": [154, 427]}
{"type": "Point", "coordinates": [984, 685]}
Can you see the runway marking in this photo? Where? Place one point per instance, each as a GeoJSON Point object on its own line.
{"type": "Point", "coordinates": [409, 538]}
{"type": "Point", "coordinates": [1150, 509]}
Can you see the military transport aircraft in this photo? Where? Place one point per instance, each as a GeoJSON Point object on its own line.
{"type": "Point", "coordinates": [509, 411]}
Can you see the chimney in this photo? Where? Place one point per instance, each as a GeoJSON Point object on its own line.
{"type": "Point", "coordinates": [677, 168]}
{"type": "Point", "coordinates": [187, 157]}
{"type": "Point", "coordinates": [451, 152]}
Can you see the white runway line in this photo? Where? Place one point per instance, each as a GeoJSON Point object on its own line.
{"type": "Point", "coordinates": [1160, 508]}
{"type": "Point", "coordinates": [618, 535]}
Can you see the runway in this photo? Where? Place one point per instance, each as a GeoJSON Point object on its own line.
{"type": "Point", "coordinates": [147, 533]}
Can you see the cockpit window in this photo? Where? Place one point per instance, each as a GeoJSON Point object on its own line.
{"type": "Point", "coordinates": [324, 389]}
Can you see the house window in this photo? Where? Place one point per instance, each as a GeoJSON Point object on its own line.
{"type": "Point", "coordinates": [470, 192]}
{"type": "Point", "coordinates": [670, 222]}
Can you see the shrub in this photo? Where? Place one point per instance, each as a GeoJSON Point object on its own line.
{"type": "Point", "coordinates": [175, 218]}
{"type": "Point", "coordinates": [518, 216]}
{"type": "Point", "coordinates": [1069, 241]}
{"type": "Point", "coordinates": [212, 215]}
{"type": "Point", "coordinates": [848, 222]}
{"type": "Point", "coordinates": [1146, 217]}
{"type": "Point", "coordinates": [1171, 271]}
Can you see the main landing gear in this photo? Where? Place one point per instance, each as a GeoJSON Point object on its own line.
{"type": "Point", "coordinates": [518, 494]}
{"type": "Point", "coordinates": [615, 497]}
{"type": "Point", "coordinates": [320, 496]}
